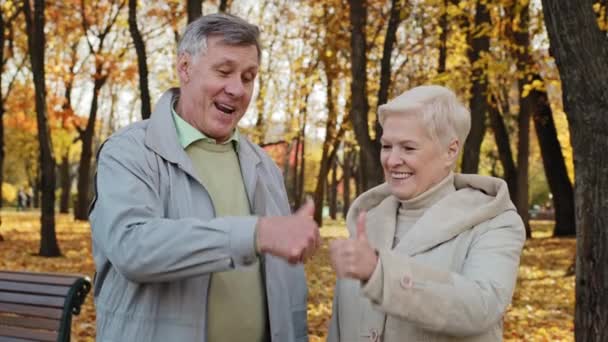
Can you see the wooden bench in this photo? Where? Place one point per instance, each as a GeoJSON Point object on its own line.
{"type": "Point", "coordinates": [39, 306]}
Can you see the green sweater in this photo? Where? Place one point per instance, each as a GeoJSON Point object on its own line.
{"type": "Point", "coordinates": [237, 309]}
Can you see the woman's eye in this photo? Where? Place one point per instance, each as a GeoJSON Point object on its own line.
{"type": "Point", "coordinates": [386, 147]}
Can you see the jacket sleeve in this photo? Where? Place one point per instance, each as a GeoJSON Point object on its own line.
{"type": "Point", "coordinates": [128, 227]}
{"type": "Point", "coordinates": [334, 327]}
{"type": "Point", "coordinates": [458, 304]}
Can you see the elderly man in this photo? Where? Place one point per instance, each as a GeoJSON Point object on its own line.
{"type": "Point", "coordinates": [192, 234]}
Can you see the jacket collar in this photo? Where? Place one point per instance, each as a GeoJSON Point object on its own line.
{"type": "Point", "coordinates": [476, 199]}
{"type": "Point", "coordinates": [161, 137]}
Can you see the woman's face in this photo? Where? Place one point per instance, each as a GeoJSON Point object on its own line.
{"type": "Point", "coordinates": [412, 161]}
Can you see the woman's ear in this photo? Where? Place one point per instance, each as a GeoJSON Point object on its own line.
{"type": "Point", "coordinates": [453, 151]}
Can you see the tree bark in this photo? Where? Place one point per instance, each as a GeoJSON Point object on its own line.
{"type": "Point", "coordinates": [369, 149]}
{"type": "Point", "coordinates": [501, 137]}
{"type": "Point", "coordinates": [332, 190]}
{"type": "Point", "coordinates": [554, 165]}
{"type": "Point", "coordinates": [346, 180]}
{"type": "Point", "coordinates": [523, 61]}
{"type": "Point", "coordinates": [443, 38]}
{"type": "Point", "coordinates": [224, 6]}
{"type": "Point", "coordinates": [140, 49]}
{"type": "Point", "coordinates": [65, 183]}
{"type": "Point", "coordinates": [36, 42]}
{"type": "Point", "coordinates": [480, 44]}
{"type": "Point", "coordinates": [81, 212]}
{"type": "Point", "coordinates": [194, 9]}
{"type": "Point", "coordinates": [580, 50]}
{"type": "Point", "coordinates": [326, 157]}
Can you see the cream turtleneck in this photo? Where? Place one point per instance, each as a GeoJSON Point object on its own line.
{"type": "Point", "coordinates": [411, 210]}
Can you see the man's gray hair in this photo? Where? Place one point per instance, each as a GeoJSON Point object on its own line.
{"type": "Point", "coordinates": [232, 29]}
{"type": "Point", "coordinates": [443, 115]}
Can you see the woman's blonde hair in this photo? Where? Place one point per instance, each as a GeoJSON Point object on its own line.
{"type": "Point", "coordinates": [443, 115]}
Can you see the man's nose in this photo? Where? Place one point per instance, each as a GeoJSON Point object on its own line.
{"type": "Point", "coordinates": [235, 87]}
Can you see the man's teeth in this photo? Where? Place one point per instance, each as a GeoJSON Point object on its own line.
{"type": "Point", "coordinates": [225, 108]}
{"type": "Point", "coordinates": [401, 175]}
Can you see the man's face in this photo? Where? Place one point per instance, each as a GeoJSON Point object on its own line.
{"type": "Point", "coordinates": [216, 86]}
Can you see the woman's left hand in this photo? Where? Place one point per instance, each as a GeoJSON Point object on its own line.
{"type": "Point", "coordinates": [354, 258]}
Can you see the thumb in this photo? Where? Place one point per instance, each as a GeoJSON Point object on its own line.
{"type": "Point", "coordinates": [307, 210]}
{"type": "Point", "coordinates": [361, 233]}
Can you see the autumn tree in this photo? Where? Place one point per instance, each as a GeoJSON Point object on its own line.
{"type": "Point", "coordinates": [140, 49]}
{"type": "Point", "coordinates": [34, 20]}
{"type": "Point", "coordinates": [369, 145]}
{"type": "Point", "coordinates": [580, 50]}
{"type": "Point", "coordinates": [7, 16]}
{"type": "Point", "coordinates": [97, 24]}
{"type": "Point", "coordinates": [194, 9]}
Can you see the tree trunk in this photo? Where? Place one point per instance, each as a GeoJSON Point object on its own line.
{"type": "Point", "coordinates": [346, 180]}
{"type": "Point", "coordinates": [36, 42]}
{"type": "Point", "coordinates": [480, 43]}
{"type": "Point", "coordinates": [523, 61]}
{"type": "Point", "coordinates": [1, 143]}
{"type": "Point", "coordinates": [65, 183]}
{"type": "Point", "coordinates": [326, 158]}
{"type": "Point", "coordinates": [140, 49]}
{"type": "Point", "coordinates": [501, 136]}
{"type": "Point", "coordinates": [554, 165]}
{"type": "Point", "coordinates": [333, 190]}
{"type": "Point", "coordinates": [194, 8]}
{"type": "Point", "coordinates": [523, 155]}
{"type": "Point", "coordinates": [224, 6]}
{"type": "Point", "coordinates": [580, 50]}
{"type": "Point", "coordinates": [443, 38]}
{"type": "Point", "coordinates": [81, 212]}
{"type": "Point", "coordinates": [369, 149]}
{"type": "Point", "coordinates": [1, 106]}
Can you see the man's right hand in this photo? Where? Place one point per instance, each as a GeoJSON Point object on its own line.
{"type": "Point", "coordinates": [294, 238]}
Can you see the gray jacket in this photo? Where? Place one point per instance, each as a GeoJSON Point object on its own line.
{"type": "Point", "coordinates": [156, 239]}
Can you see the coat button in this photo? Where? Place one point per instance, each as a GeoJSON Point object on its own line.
{"type": "Point", "coordinates": [373, 335]}
{"type": "Point", "coordinates": [406, 282]}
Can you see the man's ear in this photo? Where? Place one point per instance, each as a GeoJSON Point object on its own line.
{"type": "Point", "coordinates": [452, 151]}
{"type": "Point", "coordinates": [184, 63]}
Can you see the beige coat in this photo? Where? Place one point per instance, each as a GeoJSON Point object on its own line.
{"type": "Point", "coordinates": [450, 278]}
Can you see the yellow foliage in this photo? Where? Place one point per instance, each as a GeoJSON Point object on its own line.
{"type": "Point", "coordinates": [9, 192]}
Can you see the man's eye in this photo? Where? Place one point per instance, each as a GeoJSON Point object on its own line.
{"type": "Point", "coordinates": [224, 72]}
{"type": "Point", "coordinates": [386, 147]}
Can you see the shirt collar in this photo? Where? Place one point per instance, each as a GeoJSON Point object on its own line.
{"type": "Point", "coordinates": [187, 134]}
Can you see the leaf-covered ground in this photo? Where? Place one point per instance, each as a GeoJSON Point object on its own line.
{"type": "Point", "coordinates": [542, 309]}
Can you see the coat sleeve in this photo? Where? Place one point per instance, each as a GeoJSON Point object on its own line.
{"type": "Point", "coordinates": [458, 304]}
{"type": "Point", "coordinates": [128, 227]}
{"type": "Point", "coordinates": [334, 327]}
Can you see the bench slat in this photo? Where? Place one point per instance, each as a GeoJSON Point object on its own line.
{"type": "Point", "coordinates": [33, 288]}
{"type": "Point", "coordinates": [30, 322]}
{"type": "Point", "coordinates": [37, 279]}
{"type": "Point", "coordinates": [34, 311]}
{"type": "Point", "coordinates": [51, 301]}
{"type": "Point", "coordinates": [13, 339]}
{"type": "Point", "coordinates": [44, 336]}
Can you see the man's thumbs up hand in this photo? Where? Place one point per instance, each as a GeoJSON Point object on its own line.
{"type": "Point", "coordinates": [294, 238]}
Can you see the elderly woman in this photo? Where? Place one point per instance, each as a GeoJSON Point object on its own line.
{"type": "Point", "coordinates": [433, 255]}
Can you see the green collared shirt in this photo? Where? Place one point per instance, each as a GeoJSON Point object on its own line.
{"type": "Point", "coordinates": [187, 134]}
